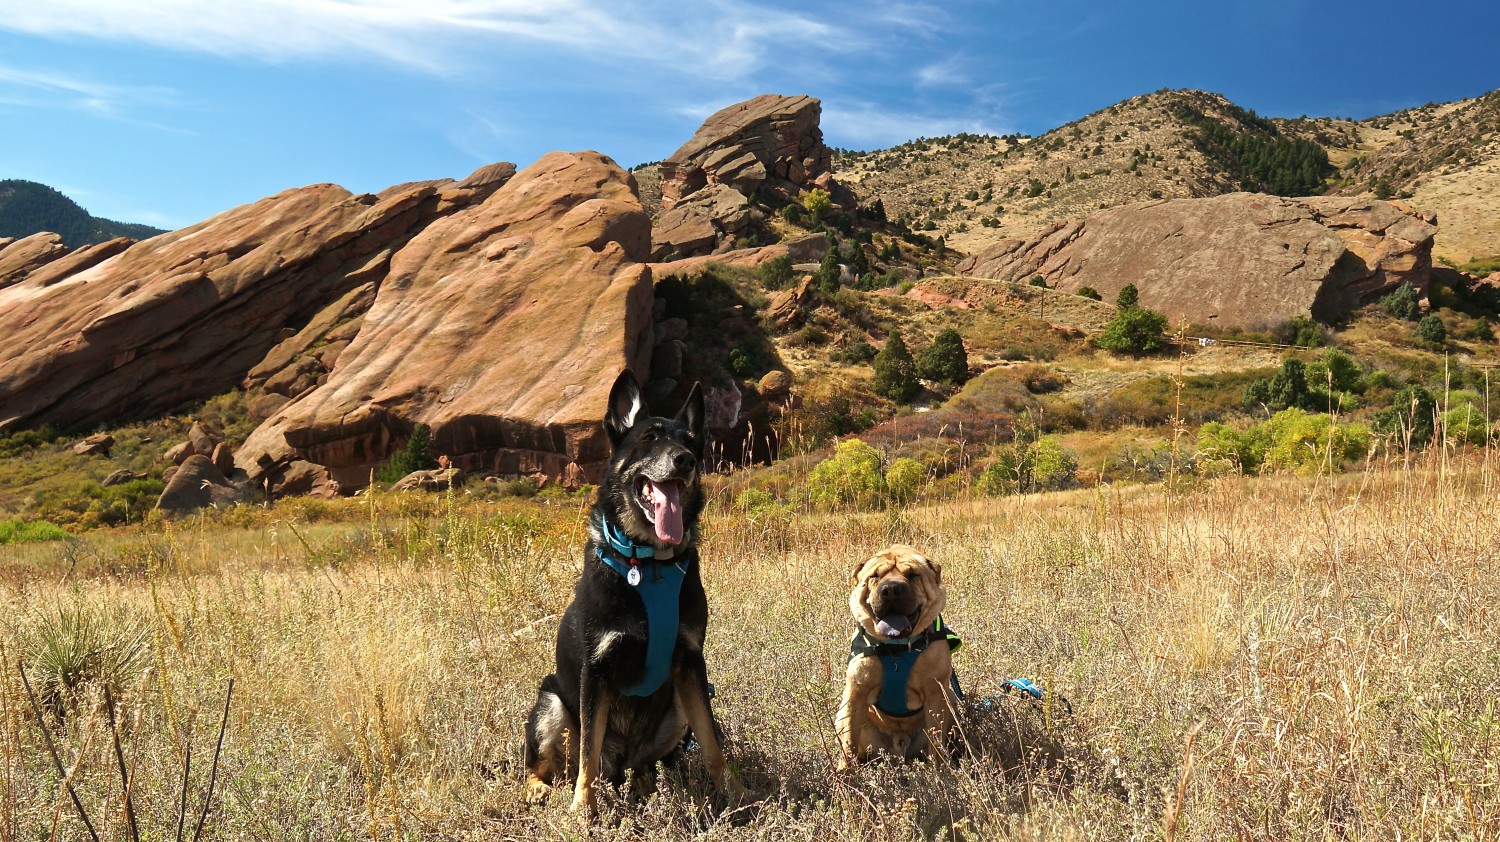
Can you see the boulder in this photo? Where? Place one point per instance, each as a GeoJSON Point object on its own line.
{"type": "Point", "coordinates": [202, 439]}
{"type": "Point", "coordinates": [223, 457]}
{"type": "Point", "coordinates": [785, 307]}
{"type": "Point", "coordinates": [177, 454]}
{"type": "Point", "coordinates": [501, 327]}
{"type": "Point", "coordinates": [437, 479]}
{"type": "Point", "coordinates": [185, 315]}
{"type": "Point", "coordinates": [119, 477]}
{"type": "Point", "coordinates": [98, 444]}
{"type": "Point", "coordinates": [775, 384]}
{"type": "Point", "coordinates": [303, 478]}
{"type": "Point", "coordinates": [197, 484]}
{"type": "Point", "coordinates": [1243, 259]}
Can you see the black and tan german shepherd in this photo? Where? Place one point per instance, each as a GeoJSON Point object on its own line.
{"type": "Point", "coordinates": [630, 680]}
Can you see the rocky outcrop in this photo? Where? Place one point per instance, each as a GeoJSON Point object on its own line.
{"type": "Point", "coordinates": [99, 444]}
{"type": "Point", "coordinates": [808, 248]}
{"type": "Point", "coordinates": [437, 479]}
{"type": "Point", "coordinates": [20, 257]}
{"type": "Point", "coordinates": [501, 327]}
{"type": "Point", "coordinates": [183, 316]}
{"type": "Point", "coordinates": [1242, 259]}
{"type": "Point", "coordinates": [715, 188]}
{"type": "Point", "coordinates": [198, 484]}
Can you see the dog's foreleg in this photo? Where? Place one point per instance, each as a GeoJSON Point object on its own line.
{"type": "Point", "coordinates": [941, 715]}
{"type": "Point", "coordinates": [545, 750]}
{"type": "Point", "coordinates": [593, 718]}
{"type": "Point", "coordinates": [690, 681]}
{"type": "Point", "coordinates": [850, 722]}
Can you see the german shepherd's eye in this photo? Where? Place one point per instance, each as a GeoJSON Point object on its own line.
{"type": "Point", "coordinates": [648, 436]}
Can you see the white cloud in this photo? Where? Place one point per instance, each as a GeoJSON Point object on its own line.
{"type": "Point", "coordinates": [722, 38]}
{"type": "Point", "coordinates": [946, 72]}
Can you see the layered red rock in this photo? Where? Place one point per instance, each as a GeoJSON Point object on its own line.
{"type": "Point", "coordinates": [20, 257]}
{"type": "Point", "coordinates": [1242, 259]}
{"type": "Point", "coordinates": [184, 315]}
{"type": "Point", "coordinates": [713, 187]}
{"type": "Point", "coordinates": [500, 327]}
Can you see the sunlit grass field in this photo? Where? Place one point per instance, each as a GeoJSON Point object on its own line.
{"type": "Point", "coordinates": [1272, 658]}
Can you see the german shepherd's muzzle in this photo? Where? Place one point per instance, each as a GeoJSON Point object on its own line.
{"type": "Point", "coordinates": [630, 680]}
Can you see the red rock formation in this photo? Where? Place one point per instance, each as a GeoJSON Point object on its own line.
{"type": "Point", "coordinates": [1243, 259]}
{"type": "Point", "coordinates": [500, 326]}
{"type": "Point", "coordinates": [183, 316]}
{"type": "Point", "coordinates": [769, 146]}
{"type": "Point", "coordinates": [18, 257]}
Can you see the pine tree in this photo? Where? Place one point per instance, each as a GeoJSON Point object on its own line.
{"type": "Point", "coordinates": [895, 372]}
{"type": "Point", "coordinates": [945, 359]}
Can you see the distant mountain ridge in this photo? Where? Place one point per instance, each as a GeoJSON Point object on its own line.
{"type": "Point", "coordinates": [977, 190]}
{"type": "Point", "coordinates": [27, 208]}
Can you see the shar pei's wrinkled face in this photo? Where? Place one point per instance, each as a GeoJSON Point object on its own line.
{"type": "Point", "coordinates": [897, 593]}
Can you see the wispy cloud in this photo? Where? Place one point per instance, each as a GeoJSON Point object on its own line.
{"type": "Point", "coordinates": [950, 71]}
{"type": "Point", "coordinates": [719, 38]}
{"type": "Point", "coordinates": [34, 88]}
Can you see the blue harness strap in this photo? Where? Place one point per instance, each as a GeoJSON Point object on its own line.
{"type": "Point", "coordinates": [897, 657]}
{"type": "Point", "coordinates": [659, 585]}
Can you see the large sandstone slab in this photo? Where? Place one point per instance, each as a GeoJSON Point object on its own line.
{"type": "Point", "coordinates": [1243, 259]}
{"type": "Point", "coordinates": [500, 326]}
{"type": "Point", "coordinates": [183, 316]}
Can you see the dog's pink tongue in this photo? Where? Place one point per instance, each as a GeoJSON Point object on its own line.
{"type": "Point", "coordinates": [893, 626]}
{"type": "Point", "coordinates": [668, 511]}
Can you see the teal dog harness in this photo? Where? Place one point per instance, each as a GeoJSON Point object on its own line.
{"type": "Point", "coordinates": [897, 657]}
{"type": "Point", "coordinates": [659, 585]}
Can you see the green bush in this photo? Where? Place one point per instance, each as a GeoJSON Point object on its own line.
{"type": "Point", "coordinates": [1090, 293]}
{"type": "Point", "coordinates": [850, 476]}
{"type": "Point", "coordinates": [1129, 297]}
{"type": "Point", "coordinates": [1052, 467]}
{"type": "Point", "coordinates": [1403, 303]}
{"type": "Point", "coordinates": [826, 279]}
{"type": "Point", "coordinates": [817, 202]}
{"type": "Point", "coordinates": [895, 371]}
{"type": "Point", "coordinates": [1337, 371]}
{"type": "Point", "coordinates": [776, 273]}
{"type": "Point", "coordinates": [945, 360]}
{"type": "Point", "coordinates": [1464, 423]}
{"type": "Point", "coordinates": [1432, 330]}
{"type": "Point", "coordinates": [904, 478]}
{"type": "Point", "coordinates": [1410, 417]}
{"type": "Point", "coordinates": [1134, 330]}
{"type": "Point", "coordinates": [27, 531]}
{"type": "Point", "coordinates": [858, 351]}
{"type": "Point", "coordinates": [1300, 440]}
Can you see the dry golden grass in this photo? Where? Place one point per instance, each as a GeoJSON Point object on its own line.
{"type": "Point", "coordinates": [1270, 658]}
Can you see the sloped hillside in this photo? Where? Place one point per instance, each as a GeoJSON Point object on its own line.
{"type": "Point", "coordinates": [28, 208]}
{"type": "Point", "coordinates": [1440, 157]}
{"type": "Point", "coordinates": [978, 190]}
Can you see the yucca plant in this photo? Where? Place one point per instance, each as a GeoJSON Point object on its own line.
{"type": "Point", "coordinates": [73, 649]}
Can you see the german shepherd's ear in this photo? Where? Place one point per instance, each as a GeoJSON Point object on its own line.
{"type": "Point", "coordinates": [625, 407]}
{"type": "Point", "coordinates": [692, 413]}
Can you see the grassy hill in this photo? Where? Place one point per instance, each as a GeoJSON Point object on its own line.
{"type": "Point", "coordinates": [27, 208]}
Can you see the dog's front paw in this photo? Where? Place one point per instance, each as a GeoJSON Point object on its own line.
{"type": "Point", "coordinates": [583, 801]}
{"type": "Point", "coordinates": [537, 790]}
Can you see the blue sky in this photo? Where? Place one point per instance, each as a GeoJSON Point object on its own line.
{"type": "Point", "coordinates": [168, 111]}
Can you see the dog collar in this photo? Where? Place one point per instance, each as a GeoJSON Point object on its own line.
{"type": "Point", "coordinates": [626, 547]}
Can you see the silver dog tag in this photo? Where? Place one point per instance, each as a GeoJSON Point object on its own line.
{"type": "Point", "coordinates": [633, 576]}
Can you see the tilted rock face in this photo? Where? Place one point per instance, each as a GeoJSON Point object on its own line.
{"type": "Point", "coordinates": [1244, 259]}
{"type": "Point", "coordinates": [500, 326]}
{"type": "Point", "coordinates": [18, 257]}
{"type": "Point", "coordinates": [767, 146]}
{"type": "Point", "coordinates": [183, 316]}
